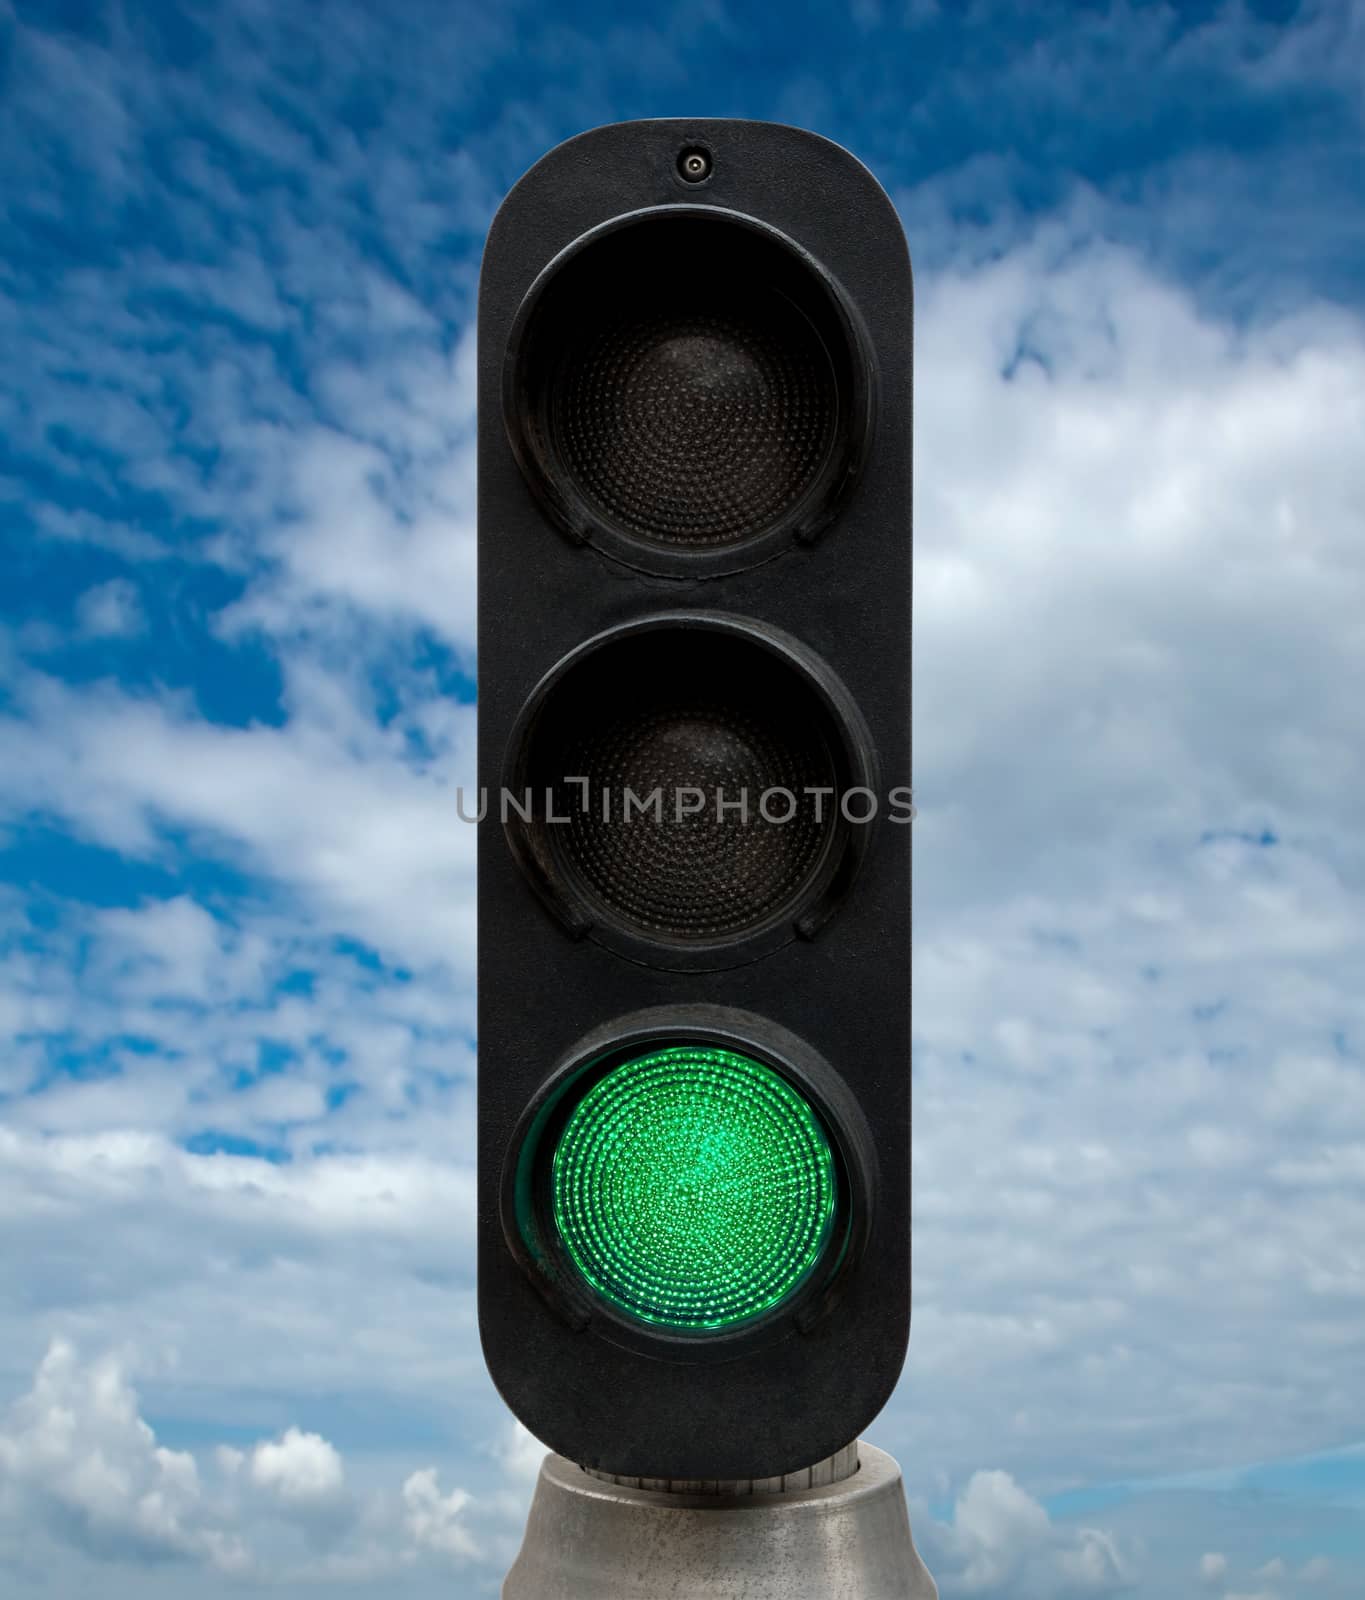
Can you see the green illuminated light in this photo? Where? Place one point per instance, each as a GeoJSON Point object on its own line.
{"type": "Point", "coordinates": [693, 1187]}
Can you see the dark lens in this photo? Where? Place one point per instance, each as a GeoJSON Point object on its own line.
{"type": "Point", "coordinates": [684, 738]}
{"type": "Point", "coordinates": [687, 383]}
{"type": "Point", "coordinates": [698, 422]}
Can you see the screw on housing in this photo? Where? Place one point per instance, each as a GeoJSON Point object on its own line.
{"type": "Point", "coordinates": [694, 165]}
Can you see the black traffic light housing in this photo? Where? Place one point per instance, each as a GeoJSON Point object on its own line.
{"type": "Point", "coordinates": [695, 575]}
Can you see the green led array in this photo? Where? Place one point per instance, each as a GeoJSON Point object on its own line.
{"type": "Point", "coordinates": [693, 1187]}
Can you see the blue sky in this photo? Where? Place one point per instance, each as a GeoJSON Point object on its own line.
{"type": "Point", "coordinates": [237, 680]}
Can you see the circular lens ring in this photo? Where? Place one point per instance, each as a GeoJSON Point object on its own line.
{"type": "Point", "coordinates": [675, 890]}
{"type": "Point", "coordinates": [716, 369]}
{"type": "Point", "coordinates": [527, 1200]}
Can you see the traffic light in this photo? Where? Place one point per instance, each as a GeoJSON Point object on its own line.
{"type": "Point", "coordinates": [694, 763]}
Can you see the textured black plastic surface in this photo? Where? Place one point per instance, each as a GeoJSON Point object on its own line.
{"type": "Point", "coordinates": [700, 421]}
{"type": "Point", "coordinates": [688, 378]}
{"type": "Point", "coordinates": [686, 389]}
{"type": "Point", "coordinates": [691, 718]}
{"type": "Point", "coordinates": [649, 714]}
{"type": "Point", "coordinates": [797, 446]}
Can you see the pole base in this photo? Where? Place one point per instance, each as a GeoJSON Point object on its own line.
{"type": "Point", "coordinates": [587, 1539]}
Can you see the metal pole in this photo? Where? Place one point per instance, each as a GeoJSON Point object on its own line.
{"type": "Point", "coordinates": [837, 1531]}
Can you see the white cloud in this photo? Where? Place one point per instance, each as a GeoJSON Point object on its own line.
{"type": "Point", "coordinates": [520, 1453]}
{"type": "Point", "coordinates": [1134, 610]}
{"type": "Point", "coordinates": [1214, 1573]}
{"type": "Point", "coordinates": [1213, 1567]}
{"type": "Point", "coordinates": [249, 1270]}
{"type": "Point", "coordinates": [360, 536]}
{"type": "Point", "coordinates": [435, 1521]}
{"type": "Point", "coordinates": [111, 610]}
{"type": "Point", "coordinates": [80, 1464]}
{"type": "Point", "coordinates": [1001, 1543]}
{"type": "Point", "coordinates": [336, 813]}
{"type": "Point", "coordinates": [301, 1468]}
{"type": "Point", "coordinates": [175, 949]}
{"type": "Point", "coordinates": [999, 1526]}
{"type": "Point", "coordinates": [78, 1458]}
{"type": "Point", "coordinates": [1093, 1564]}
